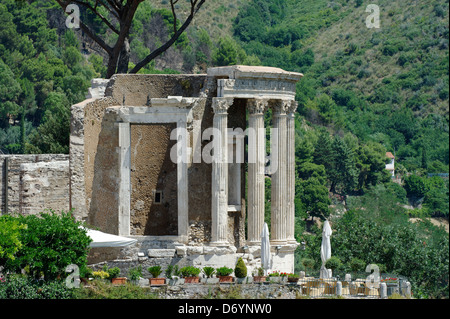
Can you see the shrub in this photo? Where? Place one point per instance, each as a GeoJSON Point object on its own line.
{"type": "Point", "coordinates": [87, 273]}
{"type": "Point", "coordinates": [113, 272]}
{"type": "Point", "coordinates": [241, 269]}
{"type": "Point", "coordinates": [209, 271]}
{"type": "Point", "coordinates": [308, 263]}
{"type": "Point", "coordinates": [259, 271]}
{"type": "Point", "coordinates": [190, 271]}
{"type": "Point", "coordinates": [176, 271]}
{"type": "Point", "coordinates": [50, 243]}
{"type": "Point", "coordinates": [357, 264]}
{"type": "Point", "coordinates": [224, 271]}
{"type": "Point", "coordinates": [155, 271]}
{"type": "Point", "coordinates": [23, 287]}
{"type": "Point", "coordinates": [100, 274]}
{"type": "Point", "coordinates": [333, 263]}
{"type": "Point", "coordinates": [415, 186]}
{"type": "Point", "coordinates": [169, 270]}
{"type": "Point", "coordinates": [275, 273]}
{"type": "Point", "coordinates": [9, 238]}
{"type": "Point", "coordinates": [135, 273]}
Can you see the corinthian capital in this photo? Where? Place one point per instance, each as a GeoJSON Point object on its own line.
{"type": "Point", "coordinates": [257, 106]}
{"type": "Point", "coordinates": [220, 105]}
{"type": "Point", "coordinates": [280, 106]}
{"type": "Point", "coordinates": [292, 106]}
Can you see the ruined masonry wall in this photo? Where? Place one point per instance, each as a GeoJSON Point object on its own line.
{"type": "Point", "coordinates": [34, 183]}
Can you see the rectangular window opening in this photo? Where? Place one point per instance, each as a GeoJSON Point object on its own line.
{"type": "Point", "coordinates": [157, 197]}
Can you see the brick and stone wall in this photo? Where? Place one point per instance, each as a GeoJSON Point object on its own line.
{"type": "Point", "coordinates": [30, 184]}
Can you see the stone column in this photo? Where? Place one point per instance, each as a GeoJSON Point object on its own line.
{"type": "Point", "coordinates": [278, 200]}
{"type": "Point", "coordinates": [219, 218]}
{"type": "Point", "coordinates": [290, 173]}
{"type": "Point", "coordinates": [256, 159]}
{"type": "Point", "coordinates": [182, 181]}
{"type": "Point", "coordinates": [125, 179]}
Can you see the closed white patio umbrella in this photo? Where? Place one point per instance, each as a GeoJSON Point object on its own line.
{"type": "Point", "coordinates": [325, 249]}
{"type": "Point", "coordinates": [265, 249]}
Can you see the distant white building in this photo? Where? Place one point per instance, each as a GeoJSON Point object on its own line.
{"type": "Point", "coordinates": [390, 165]}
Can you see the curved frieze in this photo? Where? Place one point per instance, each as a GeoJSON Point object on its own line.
{"type": "Point", "coordinates": [253, 88]}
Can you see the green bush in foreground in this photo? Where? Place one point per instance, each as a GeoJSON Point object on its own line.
{"type": "Point", "coordinates": [23, 287]}
{"type": "Point", "coordinates": [49, 243]}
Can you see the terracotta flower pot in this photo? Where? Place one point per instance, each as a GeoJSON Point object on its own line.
{"type": "Point", "coordinates": [156, 281]}
{"type": "Point", "coordinates": [191, 280]}
{"type": "Point", "coordinates": [259, 278]}
{"type": "Point", "coordinates": [225, 279]}
{"type": "Point", "coordinates": [119, 281]}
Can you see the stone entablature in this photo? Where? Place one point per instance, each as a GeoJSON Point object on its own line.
{"type": "Point", "coordinates": [242, 81]}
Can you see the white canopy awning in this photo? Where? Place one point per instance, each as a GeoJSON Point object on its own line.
{"type": "Point", "coordinates": [101, 239]}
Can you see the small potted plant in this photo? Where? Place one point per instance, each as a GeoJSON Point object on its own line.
{"type": "Point", "coordinates": [135, 274]}
{"type": "Point", "coordinates": [155, 271]}
{"type": "Point", "coordinates": [275, 276]}
{"type": "Point", "coordinates": [240, 271]}
{"type": "Point", "coordinates": [113, 275]}
{"type": "Point", "coordinates": [258, 276]}
{"type": "Point", "coordinates": [86, 275]}
{"type": "Point", "coordinates": [173, 274]}
{"type": "Point", "coordinates": [100, 274]}
{"type": "Point", "coordinates": [209, 272]}
{"type": "Point", "coordinates": [190, 274]}
{"type": "Point", "coordinates": [284, 276]}
{"type": "Point", "coordinates": [293, 278]}
{"type": "Point", "coordinates": [224, 274]}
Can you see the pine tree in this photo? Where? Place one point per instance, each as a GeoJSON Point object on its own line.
{"type": "Point", "coordinates": [343, 173]}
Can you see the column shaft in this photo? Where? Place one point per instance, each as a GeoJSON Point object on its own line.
{"type": "Point", "coordinates": [290, 173]}
{"type": "Point", "coordinates": [219, 227]}
{"type": "Point", "coordinates": [278, 200]}
{"type": "Point", "coordinates": [256, 184]}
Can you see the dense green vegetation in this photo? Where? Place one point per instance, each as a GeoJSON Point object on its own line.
{"type": "Point", "coordinates": [42, 245]}
{"type": "Point", "coordinates": [365, 92]}
{"type": "Point", "coordinates": [35, 251]}
{"type": "Point", "coordinates": [42, 73]}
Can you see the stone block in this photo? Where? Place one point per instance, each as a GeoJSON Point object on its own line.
{"type": "Point", "coordinates": [194, 250]}
{"type": "Point", "coordinates": [160, 253]}
{"type": "Point", "coordinates": [181, 250]}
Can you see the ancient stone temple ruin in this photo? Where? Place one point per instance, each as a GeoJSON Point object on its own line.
{"type": "Point", "coordinates": [179, 162]}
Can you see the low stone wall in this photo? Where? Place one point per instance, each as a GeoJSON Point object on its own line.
{"type": "Point", "coordinates": [226, 291]}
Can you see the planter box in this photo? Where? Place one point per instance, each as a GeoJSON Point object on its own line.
{"type": "Point", "coordinates": [191, 280]}
{"type": "Point", "coordinates": [157, 281]}
{"type": "Point", "coordinates": [225, 279]}
{"type": "Point", "coordinates": [210, 280]}
{"type": "Point", "coordinates": [276, 279]}
{"type": "Point", "coordinates": [244, 280]}
{"type": "Point", "coordinates": [292, 279]}
{"type": "Point", "coordinates": [259, 279]}
{"type": "Point", "coordinates": [392, 288]}
{"type": "Point", "coordinates": [119, 281]}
